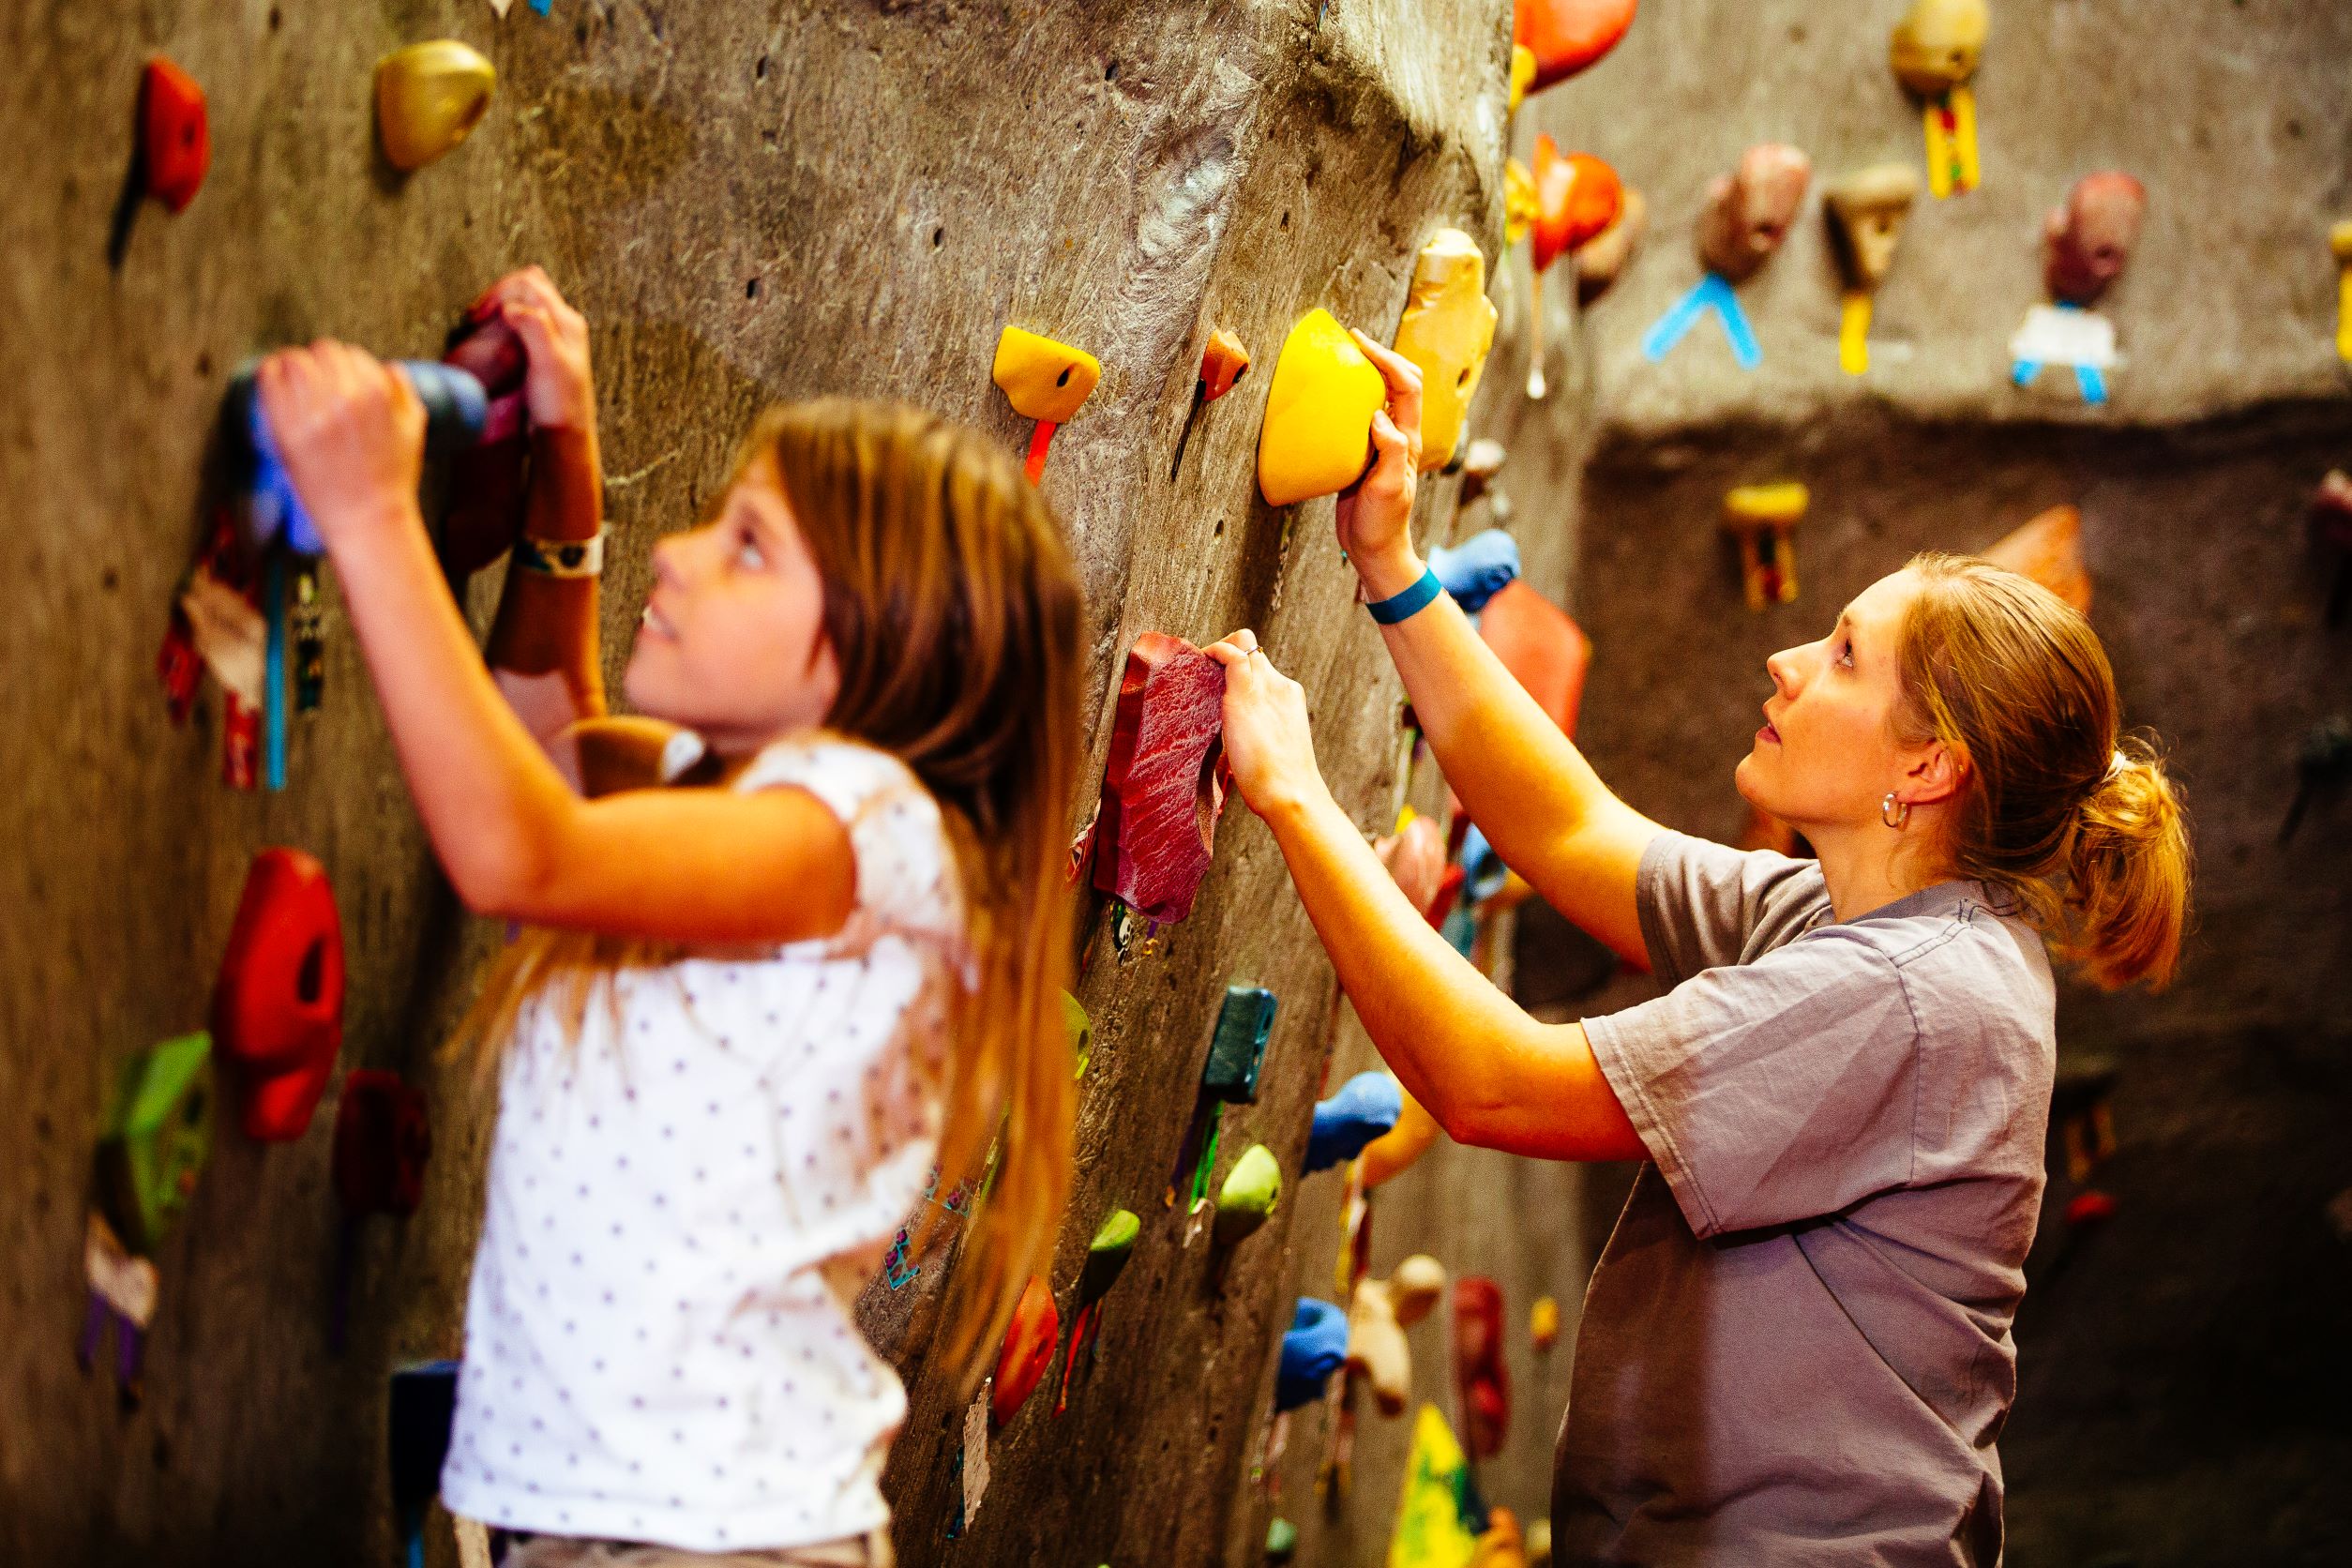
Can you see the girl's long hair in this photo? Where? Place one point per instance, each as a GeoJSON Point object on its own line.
{"type": "Point", "coordinates": [2072, 816]}
{"type": "Point", "coordinates": [955, 616]}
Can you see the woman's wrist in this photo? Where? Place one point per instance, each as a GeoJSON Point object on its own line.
{"type": "Point", "coordinates": [1389, 573]}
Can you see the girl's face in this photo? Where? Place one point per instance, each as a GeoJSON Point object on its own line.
{"type": "Point", "coordinates": [1826, 755]}
{"type": "Point", "coordinates": [733, 642]}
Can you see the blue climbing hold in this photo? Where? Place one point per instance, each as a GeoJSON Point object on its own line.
{"type": "Point", "coordinates": [1315, 1347]}
{"type": "Point", "coordinates": [1366, 1106]}
{"type": "Point", "coordinates": [1478, 568]}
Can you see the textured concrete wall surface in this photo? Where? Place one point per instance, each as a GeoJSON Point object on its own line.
{"type": "Point", "coordinates": [748, 202]}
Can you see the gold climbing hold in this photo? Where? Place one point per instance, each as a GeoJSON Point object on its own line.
{"type": "Point", "coordinates": [429, 98]}
{"type": "Point", "coordinates": [1317, 436]}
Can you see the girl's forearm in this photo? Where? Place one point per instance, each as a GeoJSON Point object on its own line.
{"type": "Point", "coordinates": [491, 802]}
{"type": "Point", "coordinates": [544, 641]}
{"type": "Point", "coordinates": [1487, 1072]}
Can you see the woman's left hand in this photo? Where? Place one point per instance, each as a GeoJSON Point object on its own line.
{"type": "Point", "coordinates": [350, 431]}
{"type": "Point", "coordinates": [1268, 743]}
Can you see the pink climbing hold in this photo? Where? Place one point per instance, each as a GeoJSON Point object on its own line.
{"type": "Point", "coordinates": [1164, 784]}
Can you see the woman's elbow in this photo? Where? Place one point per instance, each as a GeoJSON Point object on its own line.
{"type": "Point", "coordinates": [500, 876]}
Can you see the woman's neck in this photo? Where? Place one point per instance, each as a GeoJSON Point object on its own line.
{"type": "Point", "coordinates": [1869, 866]}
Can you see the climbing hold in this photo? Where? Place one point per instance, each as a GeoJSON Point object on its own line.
{"type": "Point", "coordinates": [1224, 362]}
{"type": "Point", "coordinates": [1366, 1106]}
{"type": "Point", "coordinates": [1107, 1256]}
{"type": "Point", "coordinates": [1747, 215]}
{"type": "Point", "coordinates": [1247, 1199]}
{"type": "Point", "coordinates": [1238, 1048]}
{"type": "Point", "coordinates": [2339, 247]}
{"type": "Point", "coordinates": [158, 1136]}
{"type": "Point", "coordinates": [1448, 326]}
{"type": "Point", "coordinates": [1935, 50]}
{"type": "Point", "coordinates": [122, 1292]}
{"type": "Point", "coordinates": [1498, 1544]}
{"type": "Point", "coordinates": [487, 485]}
{"type": "Point", "coordinates": [429, 98]}
{"type": "Point", "coordinates": [1577, 198]}
{"type": "Point", "coordinates": [1282, 1540]}
{"type": "Point", "coordinates": [1414, 855]}
{"type": "Point", "coordinates": [1114, 1240]}
{"type": "Point", "coordinates": [2090, 237]}
{"type": "Point", "coordinates": [1393, 1152]}
{"type": "Point", "coordinates": [1081, 1032]}
{"type": "Point", "coordinates": [1601, 259]}
{"type": "Point", "coordinates": [1313, 1347]}
{"type": "Point", "coordinates": [1318, 434]}
{"type": "Point", "coordinates": [1164, 784]}
{"type": "Point", "coordinates": [1518, 200]}
{"type": "Point", "coordinates": [383, 1139]}
{"type": "Point", "coordinates": [456, 410]}
{"type": "Point", "coordinates": [1763, 519]}
{"type": "Point", "coordinates": [1438, 1489]}
{"type": "Point", "coordinates": [1044, 380]}
{"type": "Point", "coordinates": [2332, 523]}
{"type": "Point", "coordinates": [1522, 74]}
{"type": "Point", "coordinates": [175, 134]}
{"type": "Point", "coordinates": [1378, 1314]}
{"type": "Point", "coordinates": [1567, 36]}
{"type": "Point", "coordinates": [1480, 1376]}
{"type": "Point", "coordinates": [1542, 647]}
{"type": "Point", "coordinates": [1478, 568]}
{"type": "Point", "coordinates": [1750, 211]}
{"type": "Point", "coordinates": [1543, 1323]}
{"type": "Point", "coordinates": [2049, 549]}
{"type": "Point", "coordinates": [1866, 211]}
{"type": "Point", "coordinates": [1029, 1343]}
{"type": "Point", "coordinates": [278, 1006]}
{"type": "Point", "coordinates": [2089, 1208]}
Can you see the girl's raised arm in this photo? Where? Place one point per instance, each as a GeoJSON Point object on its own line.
{"type": "Point", "coordinates": [1526, 785]}
{"type": "Point", "coordinates": [696, 866]}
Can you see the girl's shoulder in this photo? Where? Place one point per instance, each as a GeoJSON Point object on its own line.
{"type": "Point", "coordinates": [906, 872]}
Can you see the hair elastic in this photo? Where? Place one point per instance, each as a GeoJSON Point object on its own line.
{"type": "Point", "coordinates": [1412, 602]}
{"type": "Point", "coordinates": [561, 557]}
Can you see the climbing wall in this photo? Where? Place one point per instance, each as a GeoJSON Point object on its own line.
{"type": "Point", "coordinates": [748, 202]}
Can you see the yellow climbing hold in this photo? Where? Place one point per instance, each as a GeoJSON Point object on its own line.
{"type": "Point", "coordinates": [1448, 327]}
{"type": "Point", "coordinates": [429, 98]}
{"type": "Point", "coordinates": [1043, 379]}
{"type": "Point", "coordinates": [1317, 436]}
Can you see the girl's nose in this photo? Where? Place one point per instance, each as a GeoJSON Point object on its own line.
{"type": "Point", "coordinates": [1781, 667]}
{"type": "Point", "coordinates": [669, 560]}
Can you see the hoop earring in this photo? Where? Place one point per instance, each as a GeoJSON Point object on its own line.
{"type": "Point", "coordinates": [1895, 813]}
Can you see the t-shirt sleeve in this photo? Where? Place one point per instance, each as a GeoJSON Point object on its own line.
{"type": "Point", "coordinates": [907, 879]}
{"type": "Point", "coordinates": [1774, 1090]}
{"type": "Point", "coordinates": [1704, 904]}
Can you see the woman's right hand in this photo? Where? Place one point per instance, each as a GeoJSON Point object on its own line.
{"type": "Point", "coordinates": [1375, 513]}
{"type": "Point", "coordinates": [558, 386]}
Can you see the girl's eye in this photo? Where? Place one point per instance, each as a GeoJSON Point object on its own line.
{"type": "Point", "coordinates": [748, 554]}
{"type": "Point", "coordinates": [1846, 653]}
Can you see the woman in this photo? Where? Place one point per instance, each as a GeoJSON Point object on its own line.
{"type": "Point", "coordinates": [1795, 1348]}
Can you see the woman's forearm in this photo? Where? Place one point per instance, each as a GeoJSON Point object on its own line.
{"type": "Point", "coordinates": [1489, 1074]}
{"type": "Point", "coordinates": [1523, 782]}
{"type": "Point", "coordinates": [491, 802]}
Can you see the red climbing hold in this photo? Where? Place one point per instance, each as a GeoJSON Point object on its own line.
{"type": "Point", "coordinates": [175, 133]}
{"type": "Point", "coordinates": [277, 1006]}
{"type": "Point", "coordinates": [1164, 786]}
{"type": "Point", "coordinates": [1569, 35]}
{"type": "Point", "coordinates": [383, 1139]}
{"type": "Point", "coordinates": [1479, 1374]}
{"type": "Point", "coordinates": [1029, 1345]}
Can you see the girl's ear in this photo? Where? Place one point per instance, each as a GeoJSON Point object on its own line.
{"type": "Point", "coordinates": [1936, 774]}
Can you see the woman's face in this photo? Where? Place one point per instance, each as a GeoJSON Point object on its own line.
{"type": "Point", "coordinates": [733, 642]}
{"type": "Point", "coordinates": [1826, 755]}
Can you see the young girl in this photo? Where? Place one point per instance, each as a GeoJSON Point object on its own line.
{"type": "Point", "coordinates": [1795, 1348]}
{"type": "Point", "coordinates": [726, 1038]}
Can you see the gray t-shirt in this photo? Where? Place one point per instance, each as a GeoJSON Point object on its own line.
{"type": "Point", "coordinates": [1795, 1348]}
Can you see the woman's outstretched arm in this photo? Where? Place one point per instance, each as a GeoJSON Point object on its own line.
{"type": "Point", "coordinates": [1491, 1075]}
{"type": "Point", "coordinates": [1523, 782]}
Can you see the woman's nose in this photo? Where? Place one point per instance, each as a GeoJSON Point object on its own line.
{"type": "Point", "coordinates": [1781, 667]}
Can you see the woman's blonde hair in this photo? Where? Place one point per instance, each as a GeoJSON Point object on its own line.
{"type": "Point", "coordinates": [955, 616]}
{"type": "Point", "coordinates": [2070, 815]}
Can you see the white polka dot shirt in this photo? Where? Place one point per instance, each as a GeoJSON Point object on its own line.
{"type": "Point", "coordinates": [683, 1203]}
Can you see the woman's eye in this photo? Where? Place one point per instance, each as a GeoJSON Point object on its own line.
{"type": "Point", "coordinates": [1846, 655]}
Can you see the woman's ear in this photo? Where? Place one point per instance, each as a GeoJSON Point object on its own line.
{"type": "Point", "coordinates": [1936, 774]}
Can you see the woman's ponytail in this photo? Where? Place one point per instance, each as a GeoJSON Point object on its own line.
{"type": "Point", "coordinates": [2081, 828]}
{"type": "Point", "coordinates": [2128, 874]}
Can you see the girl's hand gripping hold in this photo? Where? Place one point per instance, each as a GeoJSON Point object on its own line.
{"type": "Point", "coordinates": [351, 433]}
{"type": "Point", "coordinates": [558, 386]}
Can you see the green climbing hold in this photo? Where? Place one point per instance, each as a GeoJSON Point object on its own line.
{"type": "Point", "coordinates": [1081, 1029]}
{"type": "Point", "coordinates": [1116, 1235]}
{"type": "Point", "coordinates": [1251, 1189]}
{"type": "Point", "coordinates": [1282, 1539]}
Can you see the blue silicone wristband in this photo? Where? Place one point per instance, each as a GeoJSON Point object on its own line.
{"type": "Point", "coordinates": [1412, 602]}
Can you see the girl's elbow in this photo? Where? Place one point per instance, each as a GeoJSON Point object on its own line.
{"type": "Point", "coordinates": [500, 880]}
